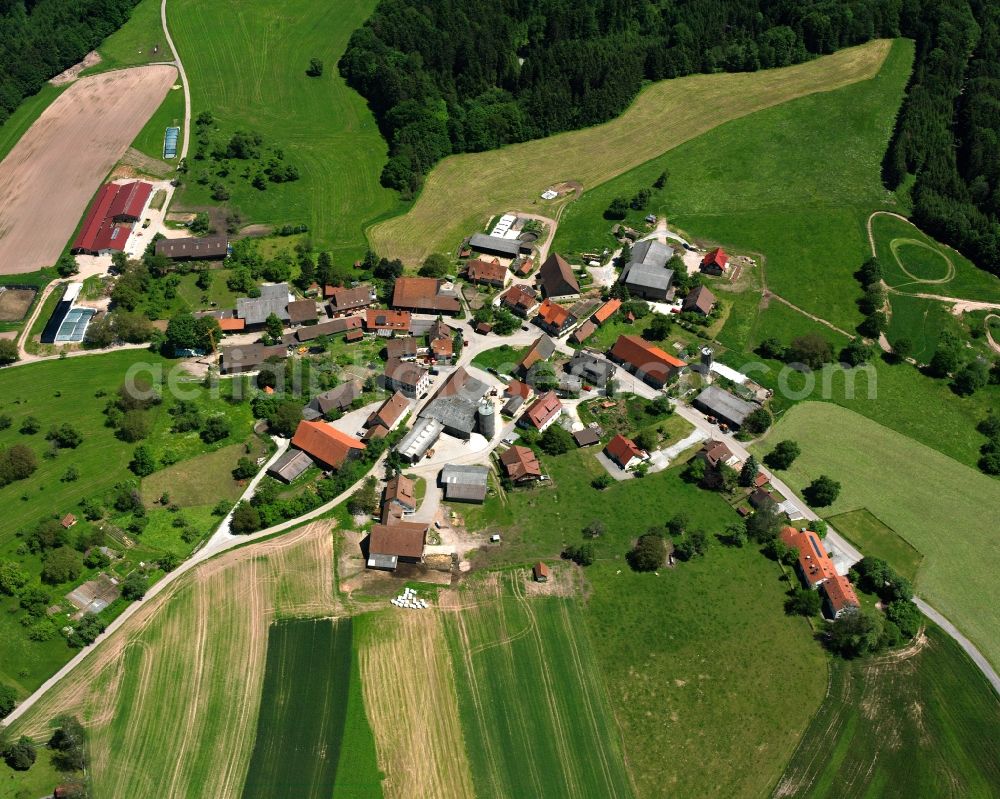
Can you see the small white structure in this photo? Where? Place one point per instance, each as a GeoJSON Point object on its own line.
{"type": "Point", "coordinates": [548, 194]}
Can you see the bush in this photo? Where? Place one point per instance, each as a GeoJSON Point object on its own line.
{"type": "Point", "coordinates": [245, 469]}
{"type": "Point", "coordinates": [8, 699]}
{"type": "Point", "coordinates": [20, 755]}
{"type": "Point", "coordinates": [602, 481]}
{"type": "Point", "coordinates": [803, 602]}
{"type": "Point", "coordinates": [556, 440]}
{"type": "Point", "coordinates": [757, 422]}
{"type": "Point", "coordinates": [8, 352]}
{"type": "Point", "coordinates": [86, 631]}
{"type": "Point", "coordinates": [691, 546]}
{"type": "Point", "coordinates": [29, 426]}
{"type": "Point", "coordinates": [315, 68]}
{"type": "Point", "coordinates": [65, 436]}
{"type": "Point", "coordinates": [582, 554]}
{"type": "Point", "coordinates": [68, 743]}
{"type": "Point", "coordinates": [12, 578]}
{"type": "Point", "coordinates": [134, 587]}
{"type": "Point", "coordinates": [61, 565]}
{"type": "Point", "coordinates": [215, 429]}
{"type": "Point", "coordinates": [649, 553]}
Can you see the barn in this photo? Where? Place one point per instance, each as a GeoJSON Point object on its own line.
{"type": "Point", "coordinates": [108, 223]}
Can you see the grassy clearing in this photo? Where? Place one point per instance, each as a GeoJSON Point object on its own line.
{"type": "Point", "coordinates": [410, 695]}
{"type": "Point", "coordinates": [133, 43]}
{"type": "Point", "coordinates": [925, 724]}
{"type": "Point", "coordinates": [863, 529]}
{"type": "Point", "coordinates": [170, 113]}
{"type": "Point", "coordinates": [664, 115]}
{"type": "Point", "coordinates": [171, 700]}
{"type": "Point", "coordinates": [938, 505]}
{"type": "Point", "coordinates": [302, 729]}
{"type": "Point", "coordinates": [923, 322]}
{"type": "Point", "coordinates": [246, 63]}
{"type": "Point", "coordinates": [24, 116]}
{"type": "Point", "coordinates": [926, 259]}
{"type": "Point", "coordinates": [503, 358]}
{"type": "Point", "coordinates": [203, 480]}
{"type": "Point", "coordinates": [535, 716]}
{"type": "Point", "coordinates": [38, 781]}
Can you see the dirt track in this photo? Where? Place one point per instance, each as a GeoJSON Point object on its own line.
{"type": "Point", "coordinates": [51, 174]}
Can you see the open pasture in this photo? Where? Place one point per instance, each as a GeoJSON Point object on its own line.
{"type": "Point", "coordinates": [664, 115]}
{"type": "Point", "coordinates": [59, 163]}
{"type": "Point", "coordinates": [15, 302]}
{"type": "Point", "coordinates": [246, 62]}
{"type": "Point", "coordinates": [876, 539]}
{"type": "Point", "coordinates": [534, 712]}
{"type": "Point", "coordinates": [171, 699]}
{"type": "Point", "coordinates": [944, 509]}
{"type": "Point", "coordinates": [916, 722]}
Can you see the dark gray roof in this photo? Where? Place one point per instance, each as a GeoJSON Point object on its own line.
{"type": "Point", "coordinates": [721, 403]}
{"type": "Point", "coordinates": [648, 266]}
{"type": "Point", "coordinates": [513, 405]}
{"type": "Point", "coordinates": [494, 244]}
{"type": "Point", "coordinates": [272, 299]}
{"type": "Point", "coordinates": [455, 413]}
{"type": "Point", "coordinates": [290, 465]}
{"type": "Point", "coordinates": [338, 398]}
{"type": "Point", "coordinates": [194, 247]}
{"type": "Point", "coordinates": [595, 369]}
{"type": "Point", "coordinates": [249, 356]}
{"type": "Point", "coordinates": [465, 482]}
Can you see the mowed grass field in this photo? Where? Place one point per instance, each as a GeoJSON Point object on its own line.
{"type": "Point", "coordinates": [302, 727]}
{"type": "Point", "coordinates": [171, 700]}
{"type": "Point", "coordinates": [663, 116]}
{"type": "Point", "coordinates": [876, 539]}
{"type": "Point", "coordinates": [919, 722]}
{"type": "Point", "coordinates": [246, 62]}
{"type": "Point", "coordinates": [944, 509]}
{"type": "Point", "coordinates": [535, 716]}
{"type": "Point", "coordinates": [682, 655]}
{"type": "Point", "coordinates": [794, 182]}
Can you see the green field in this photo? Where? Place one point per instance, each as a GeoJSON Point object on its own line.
{"type": "Point", "coordinates": [503, 358]}
{"type": "Point", "coordinates": [304, 731]}
{"type": "Point", "coordinates": [876, 539]}
{"type": "Point", "coordinates": [663, 116]}
{"type": "Point", "coordinates": [922, 321]}
{"type": "Point", "coordinates": [246, 62]}
{"type": "Point", "coordinates": [534, 713]}
{"type": "Point", "coordinates": [941, 507]}
{"type": "Point", "coordinates": [763, 184]}
{"type": "Point", "coordinates": [933, 268]}
{"type": "Point", "coordinates": [133, 43]}
{"type": "Point", "coordinates": [170, 113]}
{"type": "Point", "coordinates": [919, 725]}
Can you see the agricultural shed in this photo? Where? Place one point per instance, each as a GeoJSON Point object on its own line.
{"type": "Point", "coordinates": [388, 544]}
{"type": "Point", "coordinates": [346, 300]}
{"type": "Point", "coordinates": [557, 278]}
{"type": "Point", "coordinates": [718, 402]}
{"type": "Point", "coordinates": [646, 275]}
{"type": "Point", "coordinates": [494, 245]}
{"type": "Point", "coordinates": [247, 357]}
{"type": "Point", "coordinates": [647, 361]}
{"type": "Point", "coordinates": [331, 328]}
{"type": "Point", "coordinates": [191, 248]}
{"type": "Point", "coordinates": [326, 444]}
{"type": "Point", "coordinates": [273, 299]}
{"type": "Point", "coordinates": [422, 436]}
{"type": "Point", "coordinates": [540, 572]}
{"type": "Point", "coordinates": [701, 301]}
{"type": "Point", "coordinates": [108, 222]}
{"type": "Point", "coordinates": [464, 483]}
{"type": "Point", "coordinates": [290, 465]}
{"type": "Point", "coordinates": [424, 294]}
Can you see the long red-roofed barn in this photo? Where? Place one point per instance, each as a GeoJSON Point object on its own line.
{"type": "Point", "coordinates": [326, 444]}
{"type": "Point", "coordinates": [645, 360]}
{"type": "Point", "coordinates": [109, 221]}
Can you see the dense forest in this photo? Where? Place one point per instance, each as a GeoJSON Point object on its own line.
{"type": "Point", "coordinates": [41, 38]}
{"type": "Point", "coordinates": [470, 75]}
{"type": "Point", "coordinates": [948, 131]}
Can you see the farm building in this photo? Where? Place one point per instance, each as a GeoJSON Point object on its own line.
{"type": "Point", "coordinates": [327, 445]}
{"type": "Point", "coordinates": [716, 453]}
{"type": "Point", "coordinates": [302, 312]}
{"type": "Point", "coordinates": [583, 332]}
{"type": "Point", "coordinates": [111, 216]}
{"type": "Point", "coordinates": [193, 248]}
{"type": "Point", "coordinates": [541, 350]}
{"type": "Point", "coordinates": [521, 464]}
{"type": "Point", "coordinates": [724, 406]}
{"type": "Point", "coordinates": [715, 262]}
{"type": "Point", "coordinates": [399, 492]}
{"type": "Point", "coordinates": [520, 300]}
{"type": "Point", "coordinates": [486, 273]}
{"type": "Point", "coordinates": [419, 440]}
{"type": "Point", "coordinates": [496, 246]}
{"type": "Point", "coordinates": [407, 377]}
{"type": "Point", "coordinates": [290, 465]}
{"type": "Point", "coordinates": [700, 301]}
{"type": "Point", "coordinates": [646, 275]}
{"type": "Point", "coordinates": [390, 544]}
{"type": "Point", "coordinates": [348, 300]}
{"type": "Point", "coordinates": [247, 357]}
{"type": "Point", "coordinates": [816, 570]}
{"type": "Point", "coordinates": [587, 437]}
{"type": "Point", "coordinates": [274, 299]}
{"type": "Point", "coordinates": [624, 452]}
{"type": "Point", "coordinates": [424, 295]}
{"type": "Point", "coordinates": [331, 328]}
{"type": "Point", "coordinates": [606, 311]}
{"type": "Point", "coordinates": [389, 413]}
{"type": "Point", "coordinates": [839, 597]}
{"type": "Point", "coordinates": [646, 361]}
{"type": "Point", "coordinates": [553, 319]}
{"type": "Point", "coordinates": [336, 400]}
{"type": "Point", "coordinates": [464, 483]}
{"type": "Point", "coordinates": [441, 350]}
{"type": "Point", "coordinates": [557, 278]}
{"type": "Point", "coordinates": [385, 323]}
{"type": "Point", "coordinates": [401, 349]}
{"type": "Point", "coordinates": [540, 573]}
{"type": "Point", "coordinates": [542, 412]}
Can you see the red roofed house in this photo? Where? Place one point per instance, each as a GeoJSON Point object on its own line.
{"type": "Point", "coordinates": [624, 452]}
{"type": "Point", "coordinates": [385, 323]}
{"type": "Point", "coordinates": [839, 597]}
{"type": "Point", "coordinates": [483, 272]}
{"type": "Point", "coordinates": [423, 295]}
{"type": "Point", "coordinates": [521, 464]}
{"type": "Point", "coordinates": [520, 299]}
{"type": "Point", "coordinates": [388, 414]}
{"type": "Point", "coordinates": [646, 360]}
{"type": "Point", "coordinates": [715, 262]}
{"type": "Point", "coordinates": [542, 412]}
{"type": "Point", "coordinates": [817, 570]}
{"type": "Point", "coordinates": [554, 319]}
{"type": "Point", "coordinates": [606, 311]}
{"type": "Point", "coordinates": [326, 444]}
{"type": "Point", "coordinates": [109, 221]}
{"type": "Point", "coordinates": [583, 332]}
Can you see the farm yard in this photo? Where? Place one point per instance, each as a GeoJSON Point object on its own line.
{"type": "Point", "coordinates": [663, 116]}
{"type": "Point", "coordinates": [535, 716]}
{"type": "Point", "coordinates": [165, 709]}
{"type": "Point", "coordinates": [891, 476]}
{"type": "Point", "coordinates": [89, 126]}
{"type": "Point", "coordinates": [920, 721]}
{"type": "Point", "coordinates": [246, 64]}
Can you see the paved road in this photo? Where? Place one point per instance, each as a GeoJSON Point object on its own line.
{"type": "Point", "coordinates": [184, 81]}
{"type": "Point", "coordinates": [965, 643]}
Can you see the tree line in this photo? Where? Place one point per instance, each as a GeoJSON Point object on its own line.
{"type": "Point", "coordinates": [41, 38]}
{"type": "Point", "coordinates": [473, 75]}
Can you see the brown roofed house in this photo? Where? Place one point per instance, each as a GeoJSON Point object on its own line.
{"type": "Point", "coordinates": [401, 491]}
{"type": "Point", "coordinates": [333, 327]}
{"type": "Point", "coordinates": [326, 444]}
{"type": "Point", "coordinates": [424, 294]}
{"type": "Point", "coordinates": [389, 544]}
{"type": "Point", "coordinates": [348, 300]}
{"type": "Point", "coordinates": [715, 453]}
{"type": "Point", "coordinates": [542, 412]}
{"type": "Point", "coordinates": [442, 350]}
{"type": "Point", "coordinates": [700, 301]}
{"type": "Point", "coordinates": [190, 248]}
{"type": "Point", "coordinates": [586, 437]}
{"type": "Point", "coordinates": [583, 332]}
{"type": "Point", "coordinates": [520, 299]}
{"type": "Point", "coordinates": [68, 520]}
{"type": "Point", "coordinates": [247, 357]}
{"type": "Point", "coordinates": [385, 323]}
{"type": "Point", "coordinates": [486, 272]}
{"type": "Point", "coordinates": [645, 360]}
{"type": "Point", "coordinates": [521, 464]}
{"type": "Point", "coordinates": [302, 312]}
{"type": "Point", "coordinates": [407, 377]}
{"type": "Point", "coordinates": [557, 278]}
{"type": "Point", "coordinates": [403, 349]}
{"type": "Point", "coordinates": [540, 572]}
{"type": "Point", "coordinates": [389, 413]}
{"type": "Point", "coordinates": [541, 350]}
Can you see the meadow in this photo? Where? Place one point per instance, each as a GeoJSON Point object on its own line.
{"type": "Point", "coordinates": [938, 505]}
{"type": "Point", "coordinates": [303, 730]}
{"type": "Point", "coordinates": [535, 717]}
{"type": "Point", "coordinates": [139, 41]}
{"type": "Point", "coordinates": [876, 539]}
{"type": "Point", "coordinates": [918, 722]}
{"type": "Point", "coordinates": [663, 116]}
{"type": "Point", "coordinates": [246, 62]}
{"type": "Point", "coordinates": [168, 711]}
{"type": "Point", "coordinates": [673, 649]}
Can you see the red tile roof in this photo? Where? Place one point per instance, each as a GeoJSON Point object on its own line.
{"type": "Point", "coordinates": [716, 257]}
{"type": "Point", "coordinates": [814, 563]}
{"type": "Point", "coordinates": [443, 347]}
{"type": "Point", "coordinates": [129, 201]}
{"type": "Point", "coordinates": [646, 357]}
{"type": "Point", "coordinates": [379, 319]}
{"type": "Point", "coordinates": [543, 409]}
{"type": "Point", "coordinates": [840, 593]}
{"type": "Point", "coordinates": [402, 539]}
{"type": "Point", "coordinates": [422, 293]}
{"type": "Point", "coordinates": [231, 325]}
{"type": "Point", "coordinates": [519, 297]}
{"type": "Point", "coordinates": [480, 269]}
{"type": "Point", "coordinates": [606, 311]}
{"type": "Point", "coordinates": [521, 464]}
{"type": "Point", "coordinates": [515, 388]}
{"type": "Point", "coordinates": [553, 315]}
{"type": "Point", "coordinates": [622, 450]}
{"type": "Point", "coordinates": [325, 443]}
